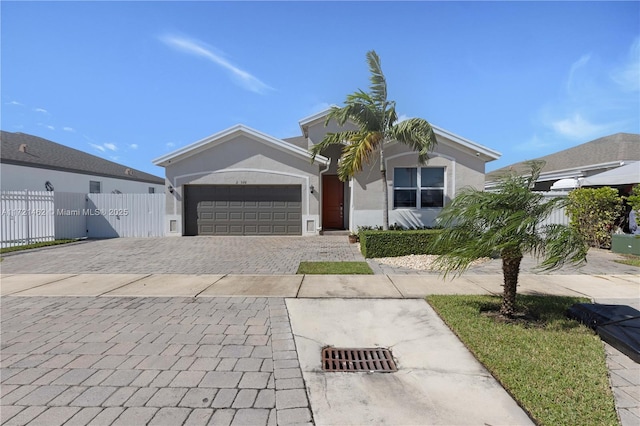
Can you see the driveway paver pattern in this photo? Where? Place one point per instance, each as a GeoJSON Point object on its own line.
{"type": "Point", "coordinates": [88, 360]}
{"type": "Point", "coordinates": [186, 255]}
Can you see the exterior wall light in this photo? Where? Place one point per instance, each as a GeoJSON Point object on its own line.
{"type": "Point", "coordinates": [312, 188]}
{"type": "Point", "coordinates": [170, 188]}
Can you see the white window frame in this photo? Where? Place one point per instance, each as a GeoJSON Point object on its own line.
{"type": "Point", "coordinates": [418, 188]}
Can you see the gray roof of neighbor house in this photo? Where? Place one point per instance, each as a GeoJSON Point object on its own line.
{"type": "Point", "coordinates": [32, 151]}
{"type": "Point", "coordinates": [617, 147]}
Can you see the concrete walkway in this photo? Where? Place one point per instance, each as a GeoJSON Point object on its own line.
{"type": "Point", "coordinates": [596, 287]}
{"type": "Point", "coordinates": [175, 349]}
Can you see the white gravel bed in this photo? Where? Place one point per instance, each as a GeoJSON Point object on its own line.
{"type": "Point", "coordinates": [421, 262]}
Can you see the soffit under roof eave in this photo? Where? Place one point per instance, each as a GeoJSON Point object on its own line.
{"type": "Point", "coordinates": [225, 135]}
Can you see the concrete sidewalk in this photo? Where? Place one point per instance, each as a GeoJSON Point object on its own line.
{"type": "Point", "coordinates": [220, 349]}
{"type": "Point", "coordinates": [596, 287]}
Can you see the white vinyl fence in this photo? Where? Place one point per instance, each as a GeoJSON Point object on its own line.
{"type": "Point", "coordinates": [26, 217]}
{"type": "Point", "coordinates": [35, 216]}
{"type": "Point", "coordinates": [558, 216]}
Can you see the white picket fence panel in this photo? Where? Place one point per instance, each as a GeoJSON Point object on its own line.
{"type": "Point", "coordinates": [34, 216]}
{"type": "Point", "coordinates": [26, 217]}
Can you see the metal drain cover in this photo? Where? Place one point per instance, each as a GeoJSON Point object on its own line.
{"type": "Point", "coordinates": [357, 359]}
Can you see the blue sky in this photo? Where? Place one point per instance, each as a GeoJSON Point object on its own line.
{"type": "Point", "coordinates": [131, 81]}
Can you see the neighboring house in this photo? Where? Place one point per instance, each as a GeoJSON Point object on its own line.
{"type": "Point", "coordinates": [37, 164]}
{"type": "Point", "coordinates": [243, 182]}
{"type": "Point", "coordinates": [578, 166]}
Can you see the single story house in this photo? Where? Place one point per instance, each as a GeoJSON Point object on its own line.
{"type": "Point", "coordinates": [32, 163]}
{"type": "Point", "coordinates": [241, 181]}
{"type": "Point", "coordinates": [575, 167]}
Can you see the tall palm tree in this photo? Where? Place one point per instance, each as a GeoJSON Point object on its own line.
{"type": "Point", "coordinates": [508, 221]}
{"type": "Point", "coordinates": [377, 121]}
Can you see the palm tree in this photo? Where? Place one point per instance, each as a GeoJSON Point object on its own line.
{"type": "Point", "coordinates": [377, 121]}
{"type": "Point", "coordinates": [509, 222]}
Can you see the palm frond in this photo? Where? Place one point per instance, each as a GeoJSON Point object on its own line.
{"type": "Point", "coordinates": [363, 114]}
{"type": "Point", "coordinates": [339, 138]}
{"type": "Point", "coordinates": [418, 134]}
{"type": "Point", "coordinates": [358, 152]}
{"type": "Point", "coordinates": [378, 82]}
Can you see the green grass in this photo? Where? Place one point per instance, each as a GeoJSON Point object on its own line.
{"type": "Point", "coordinates": [630, 260]}
{"type": "Point", "coordinates": [553, 366]}
{"type": "Point", "coordinates": [335, 268]}
{"type": "Point", "coordinates": [35, 245]}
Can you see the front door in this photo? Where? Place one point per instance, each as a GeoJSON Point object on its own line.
{"type": "Point", "coordinates": [332, 202]}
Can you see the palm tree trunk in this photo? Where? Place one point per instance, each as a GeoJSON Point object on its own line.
{"type": "Point", "coordinates": [385, 190]}
{"type": "Point", "coordinates": [510, 271]}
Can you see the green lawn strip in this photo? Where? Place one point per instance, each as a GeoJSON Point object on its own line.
{"type": "Point", "coordinates": [630, 260]}
{"type": "Point", "coordinates": [35, 245]}
{"type": "Point", "coordinates": [555, 369]}
{"type": "Point", "coordinates": [335, 268]}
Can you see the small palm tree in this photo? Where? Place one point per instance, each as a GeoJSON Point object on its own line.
{"type": "Point", "coordinates": [377, 121]}
{"type": "Point", "coordinates": [507, 221]}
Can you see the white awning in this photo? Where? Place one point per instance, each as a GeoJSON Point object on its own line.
{"type": "Point", "coordinates": [623, 175]}
{"type": "Point", "coordinates": [565, 184]}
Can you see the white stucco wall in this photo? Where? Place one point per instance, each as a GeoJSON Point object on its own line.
{"type": "Point", "coordinates": [19, 178]}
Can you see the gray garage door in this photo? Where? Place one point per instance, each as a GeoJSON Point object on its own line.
{"type": "Point", "coordinates": [243, 210]}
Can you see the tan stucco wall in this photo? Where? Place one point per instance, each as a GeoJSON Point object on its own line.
{"type": "Point", "coordinates": [243, 161]}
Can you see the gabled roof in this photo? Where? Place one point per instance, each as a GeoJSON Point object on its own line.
{"type": "Point", "coordinates": [230, 133]}
{"type": "Point", "coordinates": [32, 151]}
{"type": "Point", "coordinates": [477, 149]}
{"type": "Point", "coordinates": [606, 152]}
{"type": "Point", "coordinates": [480, 150]}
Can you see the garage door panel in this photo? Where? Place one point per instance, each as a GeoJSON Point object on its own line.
{"type": "Point", "coordinates": [243, 210]}
{"type": "Point", "coordinates": [250, 216]}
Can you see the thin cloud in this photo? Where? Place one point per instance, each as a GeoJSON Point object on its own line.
{"type": "Point", "coordinates": [69, 129]}
{"type": "Point", "coordinates": [578, 128]}
{"type": "Point", "coordinates": [170, 144]}
{"type": "Point", "coordinates": [198, 48]}
{"type": "Point", "coordinates": [133, 146]}
{"type": "Point", "coordinates": [98, 147]}
{"type": "Point", "coordinates": [42, 110]}
{"type": "Point", "coordinates": [627, 76]}
{"type": "Point", "coordinates": [111, 147]}
{"type": "Point", "coordinates": [14, 103]}
{"type": "Point", "coordinates": [575, 67]}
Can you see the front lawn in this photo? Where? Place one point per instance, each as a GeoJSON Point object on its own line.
{"type": "Point", "coordinates": [335, 268]}
{"type": "Point", "coordinates": [553, 366]}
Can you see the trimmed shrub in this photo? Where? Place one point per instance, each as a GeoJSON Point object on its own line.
{"type": "Point", "coordinates": [593, 212]}
{"type": "Point", "coordinates": [634, 201]}
{"type": "Point", "coordinates": [396, 243]}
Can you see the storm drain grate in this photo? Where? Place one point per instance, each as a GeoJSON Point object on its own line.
{"type": "Point", "coordinates": [357, 359]}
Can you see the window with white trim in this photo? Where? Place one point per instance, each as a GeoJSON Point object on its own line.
{"type": "Point", "coordinates": [418, 187]}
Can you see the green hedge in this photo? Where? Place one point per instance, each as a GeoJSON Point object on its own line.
{"type": "Point", "coordinates": [396, 243]}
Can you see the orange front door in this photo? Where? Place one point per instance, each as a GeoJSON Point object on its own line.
{"type": "Point", "coordinates": [332, 202]}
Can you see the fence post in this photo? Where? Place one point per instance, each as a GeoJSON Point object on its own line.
{"type": "Point", "coordinates": [26, 207]}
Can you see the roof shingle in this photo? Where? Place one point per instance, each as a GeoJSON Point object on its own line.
{"type": "Point", "coordinates": [45, 154]}
{"type": "Point", "coordinates": [616, 147]}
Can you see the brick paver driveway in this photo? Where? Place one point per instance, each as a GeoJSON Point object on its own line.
{"type": "Point", "coordinates": [186, 255]}
{"type": "Point", "coordinates": [156, 361]}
